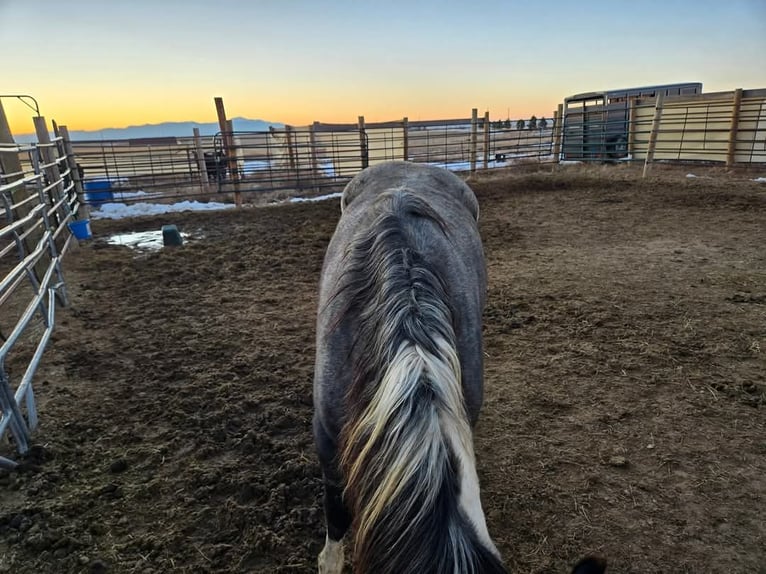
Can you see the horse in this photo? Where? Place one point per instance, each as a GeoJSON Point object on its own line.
{"type": "Point", "coordinates": [398, 381]}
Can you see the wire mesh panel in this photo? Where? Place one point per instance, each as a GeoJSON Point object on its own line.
{"type": "Point", "coordinates": [705, 128]}
{"type": "Point", "coordinates": [696, 132]}
{"type": "Point", "coordinates": [751, 132]}
{"type": "Point", "coordinates": [445, 144]}
{"type": "Point", "coordinates": [466, 145]}
{"type": "Point", "coordinates": [163, 166]}
{"type": "Point", "coordinates": [520, 141]}
{"type": "Point", "coordinates": [298, 159]}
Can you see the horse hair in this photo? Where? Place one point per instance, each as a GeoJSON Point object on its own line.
{"type": "Point", "coordinates": [407, 428]}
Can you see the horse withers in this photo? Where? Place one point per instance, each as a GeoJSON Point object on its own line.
{"type": "Point", "coordinates": [398, 380]}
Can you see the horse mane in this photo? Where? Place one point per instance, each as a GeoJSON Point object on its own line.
{"type": "Point", "coordinates": [406, 438]}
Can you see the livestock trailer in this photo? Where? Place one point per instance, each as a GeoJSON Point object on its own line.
{"type": "Point", "coordinates": [595, 124]}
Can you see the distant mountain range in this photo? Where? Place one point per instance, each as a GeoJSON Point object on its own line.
{"type": "Point", "coordinates": [165, 129]}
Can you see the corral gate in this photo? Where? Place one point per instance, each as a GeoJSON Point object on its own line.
{"type": "Point", "coordinates": [290, 158]}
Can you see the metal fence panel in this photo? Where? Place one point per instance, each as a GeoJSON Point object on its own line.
{"type": "Point", "coordinates": [36, 205]}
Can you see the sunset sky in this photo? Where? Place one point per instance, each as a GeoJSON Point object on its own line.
{"type": "Point", "coordinates": [94, 63]}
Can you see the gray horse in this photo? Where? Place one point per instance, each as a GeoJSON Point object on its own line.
{"type": "Point", "coordinates": [398, 381]}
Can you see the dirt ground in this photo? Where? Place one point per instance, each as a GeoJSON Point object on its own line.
{"type": "Point", "coordinates": [625, 340]}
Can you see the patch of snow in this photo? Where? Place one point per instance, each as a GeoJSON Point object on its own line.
{"type": "Point", "coordinates": [327, 167]}
{"type": "Point", "coordinates": [318, 198]}
{"type": "Point", "coordinates": [252, 167]}
{"type": "Point", "coordinates": [454, 165]}
{"type": "Point", "coordinates": [760, 179]}
{"type": "Point", "coordinates": [121, 210]}
{"type": "Point", "coordinates": [140, 239]}
{"type": "Point", "coordinates": [128, 194]}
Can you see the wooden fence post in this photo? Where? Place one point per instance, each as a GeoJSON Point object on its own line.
{"type": "Point", "coordinates": [52, 172]}
{"type": "Point", "coordinates": [10, 164]}
{"type": "Point", "coordinates": [474, 137]}
{"type": "Point", "coordinates": [201, 164]}
{"type": "Point", "coordinates": [731, 153]}
{"type": "Point", "coordinates": [74, 169]}
{"type": "Point", "coordinates": [406, 138]}
{"type": "Point", "coordinates": [653, 134]}
{"type": "Point", "coordinates": [486, 139]}
{"type": "Point", "coordinates": [558, 125]}
{"type": "Point", "coordinates": [54, 183]}
{"type": "Point", "coordinates": [363, 150]}
{"type": "Point", "coordinates": [228, 147]}
{"type": "Point", "coordinates": [221, 113]}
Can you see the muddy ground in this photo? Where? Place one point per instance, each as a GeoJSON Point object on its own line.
{"type": "Point", "coordinates": [625, 412]}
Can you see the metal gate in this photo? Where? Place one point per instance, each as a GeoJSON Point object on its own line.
{"type": "Point", "coordinates": [298, 159]}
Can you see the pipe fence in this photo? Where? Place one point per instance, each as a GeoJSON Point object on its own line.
{"type": "Point", "coordinates": [727, 128]}
{"type": "Point", "coordinates": [38, 199]}
{"type": "Point", "coordinates": [308, 159]}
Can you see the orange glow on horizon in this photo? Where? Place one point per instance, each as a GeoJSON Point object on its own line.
{"type": "Point", "coordinates": [120, 112]}
{"type": "Point", "coordinates": [138, 63]}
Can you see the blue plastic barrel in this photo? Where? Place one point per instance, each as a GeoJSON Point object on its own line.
{"type": "Point", "coordinates": [98, 191]}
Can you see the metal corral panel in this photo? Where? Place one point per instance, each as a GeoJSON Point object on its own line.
{"type": "Point", "coordinates": [698, 128]}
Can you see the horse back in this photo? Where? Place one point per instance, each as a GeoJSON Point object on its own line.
{"type": "Point", "coordinates": [444, 233]}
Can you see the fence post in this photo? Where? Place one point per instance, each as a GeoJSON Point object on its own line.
{"type": "Point", "coordinates": [201, 164]}
{"type": "Point", "coordinates": [558, 124]}
{"type": "Point", "coordinates": [291, 160]}
{"type": "Point", "coordinates": [228, 147]}
{"type": "Point", "coordinates": [19, 429]}
{"type": "Point", "coordinates": [221, 113]}
{"type": "Point", "coordinates": [52, 172]}
{"type": "Point", "coordinates": [9, 162]}
{"type": "Point", "coordinates": [732, 151]}
{"type": "Point", "coordinates": [474, 137]}
{"type": "Point", "coordinates": [631, 127]}
{"type": "Point", "coordinates": [653, 134]}
{"type": "Point", "coordinates": [406, 138]}
{"type": "Point", "coordinates": [234, 150]}
{"type": "Point", "coordinates": [486, 139]}
{"type": "Point", "coordinates": [314, 160]}
{"type": "Point", "coordinates": [73, 167]}
{"type": "Point", "coordinates": [11, 170]}
{"type": "Point", "coordinates": [55, 192]}
{"type": "Point", "coordinates": [365, 153]}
